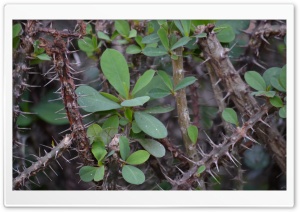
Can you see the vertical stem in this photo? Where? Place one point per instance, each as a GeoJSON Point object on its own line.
{"type": "Point", "coordinates": [182, 109]}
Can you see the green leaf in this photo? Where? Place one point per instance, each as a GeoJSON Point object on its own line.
{"type": "Point", "coordinates": [159, 109]}
{"type": "Point", "coordinates": [282, 78]}
{"type": "Point", "coordinates": [99, 174]}
{"type": "Point", "coordinates": [255, 80]}
{"type": "Point", "coordinates": [185, 82]}
{"type": "Point", "coordinates": [201, 169]}
{"type": "Point", "coordinates": [87, 173]}
{"type": "Point", "coordinates": [200, 35]}
{"type": "Point", "coordinates": [103, 36]}
{"type": "Point", "coordinates": [111, 122]}
{"type": "Point", "coordinates": [173, 39]}
{"type": "Point", "coordinates": [135, 128]}
{"type": "Point", "coordinates": [128, 114]}
{"type": "Point", "coordinates": [154, 52]}
{"type": "Point", "coordinates": [174, 57]}
{"type": "Point", "coordinates": [282, 112]}
{"type": "Point", "coordinates": [264, 93]}
{"type": "Point", "coordinates": [16, 42]}
{"type": "Point", "coordinates": [132, 33]}
{"type": "Point", "coordinates": [230, 116]}
{"type": "Point", "coordinates": [86, 44]}
{"type": "Point", "coordinates": [269, 73]}
{"type": "Point", "coordinates": [138, 157]}
{"type": "Point", "coordinates": [193, 133]}
{"type": "Point", "coordinates": [17, 28]}
{"type": "Point", "coordinates": [150, 125]}
{"type": "Point", "coordinates": [93, 132]}
{"type": "Point", "coordinates": [276, 84]}
{"type": "Point", "coordinates": [143, 81]}
{"type": "Point", "coordinates": [276, 101]}
{"type": "Point", "coordinates": [186, 25]}
{"type": "Point", "coordinates": [115, 69]}
{"type": "Point", "coordinates": [166, 79]}
{"type": "Point", "coordinates": [123, 121]}
{"type": "Point", "coordinates": [47, 111]}
{"type": "Point", "coordinates": [157, 93]}
{"type": "Point", "coordinates": [43, 57]}
{"type": "Point", "coordinates": [181, 42]}
{"type": "Point", "coordinates": [92, 101]}
{"type": "Point", "coordinates": [226, 33]}
{"type": "Point", "coordinates": [122, 27]}
{"type": "Point", "coordinates": [237, 25]}
{"type": "Point", "coordinates": [138, 40]}
{"type": "Point", "coordinates": [138, 101]}
{"type": "Point", "coordinates": [124, 147]}
{"type": "Point", "coordinates": [110, 97]}
{"type": "Point", "coordinates": [153, 147]}
{"type": "Point", "coordinates": [152, 38]}
{"type": "Point", "coordinates": [98, 151]}
{"type": "Point", "coordinates": [133, 175]}
{"type": "Point", "coordinates": [162, 33]}
{"type": "Point", "coordinates": [133, 49]}
{"type": "Point", "coordinates": [179, 26]}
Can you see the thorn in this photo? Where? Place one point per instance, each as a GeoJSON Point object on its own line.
{"type": "Point", "coordinates": [210, 141]}
{"type": "Point", "coordinates": [86, 115]}
{"type": "Point", "coordinates": [64, 131]}
{"type": "Point", "coordinates": [263, 38]}
{"type": "Point", "coordinates": [24, 100]}
{"type": "Point", "coordinates": [205, 61]}
{"type": "Point", "coordinates": [251, 139]}
{"type": "Point", "coordinates": [218, 82]}
{"type": "Point", "coordinates": [245, 147]}
{"type": "Point", "coordinates": [59, 165]}
{"type": "Point", "coordinates": [74, 158]}
{"type": "Point", "coordinates": [47, 175]}
{"type": "Point", "coordinates": [179, 170]}
{"type": "Point", "coordinates": [27, 113]}
{"type": "Point", "coordinates": [201, 152]}
{"type": "Point", "coordinates": [34, 183]}
{"type": "Point", "coordinates": [31, 86]}
{"type": "Point", "coordinates": [216, 163]}
{"type": "Point", "coordinates": [256, 63]}
{"type": "Point", "coordinates": [65, 159]}
{"type": "Point", "coordinates": [228, 94]}
{"type": "Point", "coordinates": [53, 170]}
{"type": "Point", "coordinates": [229, 156]}
{"type": "Point", "coordinates": [61, 118]}
{"type": "Point", "coordinates": [51, 80]}
{"type": "Point", "coordinates": [264, 123]}
{"type": "Point", "coordinates": [211, 174]}
{"type": "Point", "coordinates": [236, 160]}
{"type": "Point", "coordinates": [37, 179]}
{"type": "Point", "coordinates": [189, 160]}
{"type": "Point", "coordinates": [232, 46]}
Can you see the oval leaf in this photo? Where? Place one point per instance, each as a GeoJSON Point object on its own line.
{"type": "Point", "coordinates": [150, 125]}
{"type": "Point", "coordinates": [185, 82]}
{"type": "Point", "coordinates": [133, 49]}
{"type": "Point", "coordinates": [153, 147]}
{"type": "Point", "coordinates": [255, 80]}
{"type": "Point", "coordinates": [201, 169]}
{"type": "Point", "coordinates": [181, 42]}
{"type": "Point", "coordinates": [138, 157]}
{"type": "Point", "coordinates": [122, 27]}
{"type": "Point", "coordinates": [193, 133]}
{"type": "Point", "coordinates": [115, 69]}
{"type": "Point", "coordinates": [162, 33]}
{"type": "Point", "coordinates": [87, 173]}
{"type": "Point", "coordinates": [99, 174]}
{"type": "Point", "coordinates": [186, 25]}
{"type": "Point", "coordinates": [86, 44]}
{"type": "Point", "coordinates": [124, 147]}
{"type": "Point", "coordinates": [269, 73]}
{"type": "Point", "coordinates": [276, 101]}
{"type": "Point", "coordinates": [17, 28]}
{"type": "Point", "coordinates": [159, 109]}
{"type": "Point", "coordinates": [282, 77]}
{"type": "Point", "coordinates": [92, 101]}
{"type": "Point", "coordinates": [132, 33]}
{"type": "Point", "coordinates": [230, 116]}
{"type": "Point", "coordinates": [93, 132]}
{"type": "Point", "coordinates": [135, 102]}
{"type": "Point", "coordinates": [103, 36]}
{"type": "Point", "coordinates": [154, 52]}
{"type": "Point", "coordinates": [226, 33]}
{"type": "Point", "coordinates": [133, 175]}
{"type": "Point", "coordinates": [282, 112]}
{"type": "Point", "coordinates": [99, 150]}
{"type": "Point", "coordinates": [152, 38]}
{"type": "Point", "coordinates": [276, 84]}
{"type": "Point", "coordinates": [135, 128]}
{"type": "Point", "coordinates": [143, 81]}
{"type": "Point", "coordinates": [157, 93]}
{"type": "Point", "coordinates": [166, 79]}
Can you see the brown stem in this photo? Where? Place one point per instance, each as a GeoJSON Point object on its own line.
{"type": "Point", "coordinates": [182, 109]}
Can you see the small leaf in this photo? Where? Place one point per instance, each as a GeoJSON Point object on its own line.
{"type": "Point", "coordinates": [43, 57]}
{"type": "Point", "coordinates": [230, 116]}
{"type": "Point", "coordinates": [276, 84]}
{"type": "Point", "coordinates": [87, 173]}
{"type": "Point", "coordinates": [110, 97]}
{"type": "Point", "coordinates": [276, 101]}
{"type": "Point", "coordinates": [135, 128]}
{"type": "Point", "coordinates": [153, 147]}
{"type": "Point", "coordinates": [179, 26]}
{"type": "Point", "coordinates": [115, 69]}
{"type": "Point", "coordinates": [185, 82]}
{"type": "Point", "coordinates": [133, 175]}
{"type": "Point", "coordinates": [138, 157]}
{"type": "Point", "coordinates": [132, 33]}
{"type": "Point", "coordinates": [98, 151]}
{"type": "Point", "coordinates": [159, 109]}
{"type": "Point", "coordinates": [162, 33]}
{"type": "Point", "coordinates": [133, 49]}
{"type": "Point", "coordinates": [138, 101]}
{"type": "Point", "coordinates": [17, 28]}
{"type": "Point", "coordinates": [123, 121]}
{"type": "Point", "coordinates": [264, 93]}
{"type": "Point", "coordinates": [122, 27]}
{"type": "Point", "coordinates": [157, 93]}
{"type": "Point", "coordinates": [282, 112]}
{"type": "Point", "coordinates": [193, 133]}
{"type": "Point", "coordinates": [124, 147]}
{"type": "Point", "coordinates": [181, 42]}
{"type": "Point", "coordinates": [269, 73]}
{"type": "Point", "coordinates": [138, 39]}
{"type": "Point", "coordinates": [86, 44]}
{"type": "Point", "coordinates": [282, 78]}
{"type": "Point", "coordinates": [186, 25]}
{"type": "Point", "coordinates": [200, 35]}
{"type": "Point", "coordinates": [92, 101]}
{"type": "Point", "coordinates": [255, 80]}
{"type": "Point", "coordinates": [150, 125]}
{"type": "Point", "coordinates": [103, 36]}
{"type": "Point", "coordinates": [93, 132]}
{"type": "Point", "coordinates": [99, 174]}
{"type": "Point", "coordinates": [201, 169]}
{"type": "Point", "coordinates": [154, 52]}
{"type": "Point", "coordinates": [226, 33]}
{"type": "Point", "coordinates": [89, 29]}
{"type": "Point", "coordinates": [152, 38]}
{"type": "Point", "coordinates": [111, 122]}
{"type": "Point", "coordinates": [128, 114]}
{"type": "Point", "coordinates": [166, 79]}
{"type": "Point", "coordinates": [143, 81]}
